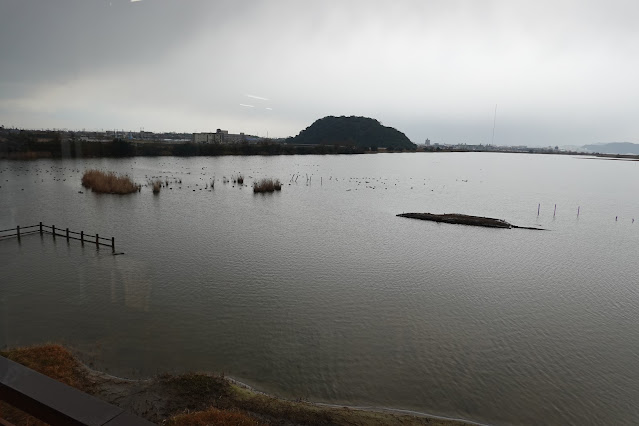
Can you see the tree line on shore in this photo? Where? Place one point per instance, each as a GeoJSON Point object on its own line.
{"type": "Point", "coordinates": [28, 144]}
{"type": "Point", "coordinates": [328, 135]}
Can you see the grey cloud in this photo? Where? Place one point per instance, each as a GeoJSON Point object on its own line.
{"type": "Point", "coordinates": [427, 67]}
{"type": "Point", "coordinates": [62, 39]}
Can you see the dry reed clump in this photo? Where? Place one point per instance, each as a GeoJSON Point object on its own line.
{"type": "Point", "coordinates": [240, 179]}
{"type": "Point", "coordinates": [267, 185]}
{"type": "Point", "coordinates": [108, 182]}
{"type": "Point", "coordinates": [156, 185]}
{"type": "Point", "coordinates": [213, 416]}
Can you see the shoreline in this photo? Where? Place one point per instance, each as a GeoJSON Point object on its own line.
{"type": "Point", "coordinates": [370, 408]}
{"type": "Point", "coordinates": [202, 397]}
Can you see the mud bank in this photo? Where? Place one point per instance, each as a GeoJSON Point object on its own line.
{"type": "Point", "coordinates": [462, 219]}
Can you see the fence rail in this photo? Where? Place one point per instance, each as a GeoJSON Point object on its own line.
{"type": "Point", "coordinates": [20, 231]}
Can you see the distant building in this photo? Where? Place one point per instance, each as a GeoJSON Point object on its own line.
{"type": "Point", "coordinates": [427, 143]}
{"type": "Point", "coordinates": [219, 137]}
{"type": "Point", "coordinates": [204, 138]}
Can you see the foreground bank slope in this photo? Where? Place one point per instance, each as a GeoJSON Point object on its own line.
{"type": "Point", "coordinates": [192, 399]}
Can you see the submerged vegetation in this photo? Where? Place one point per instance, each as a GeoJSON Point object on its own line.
{"type": "Point", "coordinates": [267, 185]}
{"type": "Point", "coordinates": [191, 399]}
{"type": "Point", "coordinates": [108, 182]}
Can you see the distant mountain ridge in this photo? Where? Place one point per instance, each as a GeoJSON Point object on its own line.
{"type": "Point", "coordinates": [614, 148]}
{"type": "Point", "coordinates": [362, 132]}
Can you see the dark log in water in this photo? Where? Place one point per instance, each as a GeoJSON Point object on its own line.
{"type": "Point", "coordinates": [462, 219]}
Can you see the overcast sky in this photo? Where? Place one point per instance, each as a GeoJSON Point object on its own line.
{"type": "Point", "coordinates": [560, 72]}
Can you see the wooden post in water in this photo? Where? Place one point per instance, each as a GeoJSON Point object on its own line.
{"type": "Point", "coordinates": [67, 235]}
{"type": "Point", "coordinates": [538, 207]}
{"type": "Point", "coordinates": [113, 244]}
{"type": "Point", "coordinates": [53, 231]}
{"type": "Point", "coordinates": [97, 244]}
{"type": "Point", "coordinates": [40, 228]}
{"type": "Point", "coordinates": [578, 207]}
{"type": "Point", "coordinates": [82, 237]}
{"type": "Point", "coordinates": [18, 231]}
{"type": "Point", "coordinates": [555, 212]}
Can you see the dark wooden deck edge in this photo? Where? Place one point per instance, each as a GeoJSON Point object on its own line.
{"type": "Point", "coordinates": [56, 403]}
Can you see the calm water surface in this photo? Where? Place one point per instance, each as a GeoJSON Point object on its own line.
{"type": "Point", "coordinates": [321, 292]}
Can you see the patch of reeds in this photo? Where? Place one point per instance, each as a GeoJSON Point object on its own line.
{"type": "Point", "coordinates": [267, 185]}
{"type": "Point", "coordinates": [156, 185]}
{"type": "Point", "coordinates": [213, 416]}
{"type": "Point", "coordinates": [108, 182]}
{"type": "Point", "coordinates": [240, 179]}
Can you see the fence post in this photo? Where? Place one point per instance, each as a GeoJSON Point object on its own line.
{"type": "Point", "coordinates": [82, 237]}
{"type": "Point", "coordinates": [113, 244]}
{"type": "Point", "coordinates": [67, 234]}
{"type": "Point", "coordinates": [97, 244]}
{"type": "Point", "coordinates": [18, 231]}
{"type": "Point", "coordinates": [40, 228]}
{"type": "Point", "coordinates": [53, 231]}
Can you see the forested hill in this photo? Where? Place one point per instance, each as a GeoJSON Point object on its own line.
{"type": "Point", "coordinates": [361, 132]}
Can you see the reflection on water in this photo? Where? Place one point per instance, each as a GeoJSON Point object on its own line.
{"type": "Point", "coordinates": [321, 292]}
{"type": "Point", "coordinates": [135, 277]}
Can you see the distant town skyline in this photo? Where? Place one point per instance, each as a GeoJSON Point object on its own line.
{"type": "Point", "coordinates": [560, 72]}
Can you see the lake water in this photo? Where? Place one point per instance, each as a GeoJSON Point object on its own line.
{"type": "Point", "coordinates": [321, 292]}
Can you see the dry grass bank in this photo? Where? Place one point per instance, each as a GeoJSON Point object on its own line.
{"type": "Point", "coordinates": [213, 416]}
{"type": "Point", "coordinates": [267, 185]}
{"type": "Point", "coordinates": [51, 360]}
{"type": "Point", "coordinates": [192, 399]}
{"type": "Point", "coordinates": [108, 182]}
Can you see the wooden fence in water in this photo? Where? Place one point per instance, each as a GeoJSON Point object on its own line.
{"type": "Point", "coordinates": [20, 231]}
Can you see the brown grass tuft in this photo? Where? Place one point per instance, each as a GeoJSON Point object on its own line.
{"type": "Point", "coordinates": [156, 184]}
{"type": "Point", "coordinates": [51, 360]}
{"type": "Point", "coordinates": [267, 185]}
{"type": "Point", "coordinates": [108, 182]}
{"type": "Point", "coordinates": [213, 416]}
